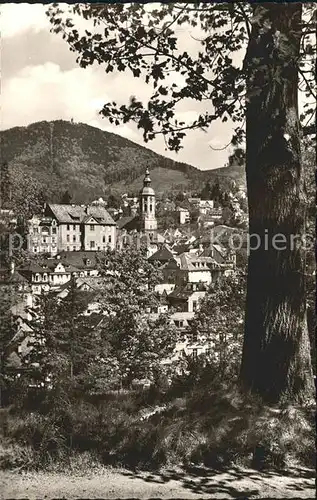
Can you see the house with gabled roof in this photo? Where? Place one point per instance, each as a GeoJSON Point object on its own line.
{"type": "Point", "coordinates": [85, 284]}
{"type": "Point", "coordinates": [186, 298]}
{"type": "Point", "coordinates": [197, 269]}
{"type": "Point", "coordinates": [184, 215]}
{"type": "Point", "coordinates": [37, 276]}
{"type": "Point", "coordinates": [170, 271]}
{"type": "Point", "coordinates": [163, 255]}
{"type": "Point", "coordinates": [17, 289]}
{"type": "Point", "coordinates": [86, 262]}
{"type": "Point", "coordinates": [71, 228]}
{"type": "Point", "coordinates": [173, 235]}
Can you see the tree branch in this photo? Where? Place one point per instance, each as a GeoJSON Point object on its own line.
{"type": "Point", "coordinates": [309, 89]}
{"type": "Point", "coordinates": [245, 17]}
{"type": "Point", "coordinates": [309, 130]}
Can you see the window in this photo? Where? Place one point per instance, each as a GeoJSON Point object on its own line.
{"type": "Point", "coordinates": [103, 239]}
{"type": "Point", "coordinates": [74, 238]}
{"type": "Point", "coordinates": [67, 238]}
{"type": "Point", "coordinates": [37, 277]}
{"type": "Point", "coordinates": [74, 227]}
{"type": "Point", "coordinates": [74, 248]}
{"type": "Point", "coordinates": [179, 324]}
{"type": "Point", "coordinates": [195, 353]}
{"type": "Point", "coordinates": [67, 248]}
{"type": "Point", "coordinates": [109, 238]}
{"type": "Point", "coordinates": [34, 249]}
{"type": "Point", "coordinates": [53, 230]}
{"type": "Point", "coordinates": [151, 208]}
{"type": "Point", "coordinates": [68, 227]}
{"type": "Point", "coordinates": [92, 244]}
{"type": "Point", "coordinates": [92, 227]}
{"type": "Point", "coordinates": [44, 240]}
{"type": "Point", "coordinates": [194, 305]}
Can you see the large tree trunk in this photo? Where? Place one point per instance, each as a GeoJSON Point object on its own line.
{"type": "Point", "coordinates": [276, 353]}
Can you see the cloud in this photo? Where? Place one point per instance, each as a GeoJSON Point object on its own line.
{"type": "Point", "coordinates": [44, 92]}
{"type": "Point", "coordinates": [41, 81]}
{"type": "Point", "coordinates": [34, 49]}
{"type": "Point", "coordinates": [17, 19]}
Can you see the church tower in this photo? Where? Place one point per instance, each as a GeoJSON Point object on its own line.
{"type": "Point", "coordinates": [147, 208]}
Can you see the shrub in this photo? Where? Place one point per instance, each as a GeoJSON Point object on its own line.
{"type": "Point", "coordinates": [216, 426]}
{"type": "Point", "coordinates": [41, 433]}
{"type": "Point", "coordinates": [16, 456]}
{"type": "Point", "coordinates": [280, 437]}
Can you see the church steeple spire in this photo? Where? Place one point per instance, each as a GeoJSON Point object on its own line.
{"type": "Point", "coordinates": [147, 179]}
{"type": "Point", "coordinates": [147, 206]}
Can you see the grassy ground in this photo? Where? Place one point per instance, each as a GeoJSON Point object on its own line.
{"type": "Point", "coordinates": [217, 429]}
{"type": "Point", "coordinates": [191, 483]}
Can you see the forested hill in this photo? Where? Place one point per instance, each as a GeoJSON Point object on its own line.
{"type": "Point", "coordinates": [85, 160]}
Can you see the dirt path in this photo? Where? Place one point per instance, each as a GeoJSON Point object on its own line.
{"type": "Point", "coordinates": [191, 483]}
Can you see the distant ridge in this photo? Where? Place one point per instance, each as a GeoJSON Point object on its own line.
{"type": "Point", "coordinates": [86, 160]}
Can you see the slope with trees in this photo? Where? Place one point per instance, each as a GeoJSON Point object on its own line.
{"type": "Point", "coordinates": [59, 155]}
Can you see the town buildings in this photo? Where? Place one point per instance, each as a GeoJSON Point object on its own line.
{"type": "Point", "coordinates": [143, 223]}
{"type": "Point", "coordinates": [184, 215]}
{"type": "Point", "coordinates": [71, 228]}
{"type": "Point", "coordinates": [67, 238]}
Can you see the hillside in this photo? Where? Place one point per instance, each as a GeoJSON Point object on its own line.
{"type": "Point", "coordinates": [62, 155]}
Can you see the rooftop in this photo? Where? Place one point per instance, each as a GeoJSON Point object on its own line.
{"type": "Point", "coordinates": [130, 222]}
{"type": "Point", "coordinates": [78, 213]}
{"type": "Point", "coordinates": [185, 291]}
{"type": "Point", "coordinates": [164, 254]}
{"type": "Point", "coordinates": [190, 262]}
{"type": "Point", "coordinates": [32, 267]}
{"type": "Point", "coordinates": [79, 259]}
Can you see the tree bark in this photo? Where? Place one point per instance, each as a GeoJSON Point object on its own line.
{"type": "Point", "coordinates": [276, 353]}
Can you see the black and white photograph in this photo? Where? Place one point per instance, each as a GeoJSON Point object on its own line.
{"type": "Point", "coordinates": [158, 250]}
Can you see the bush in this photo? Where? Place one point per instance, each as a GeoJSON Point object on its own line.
{"type": "Point", "coordinates": [16, 456]}
{"type": "Point", "coordinates": [39, 432]}
{"type": "Point", "coordinates": [215, 426]}
{"type": "Point", "coordinates": [222, 428]}
{"type": "Point", "coordinates": [281, 437]}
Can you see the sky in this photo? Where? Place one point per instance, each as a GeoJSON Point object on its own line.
{"type": "Point", "coordinates": [41, 80]}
